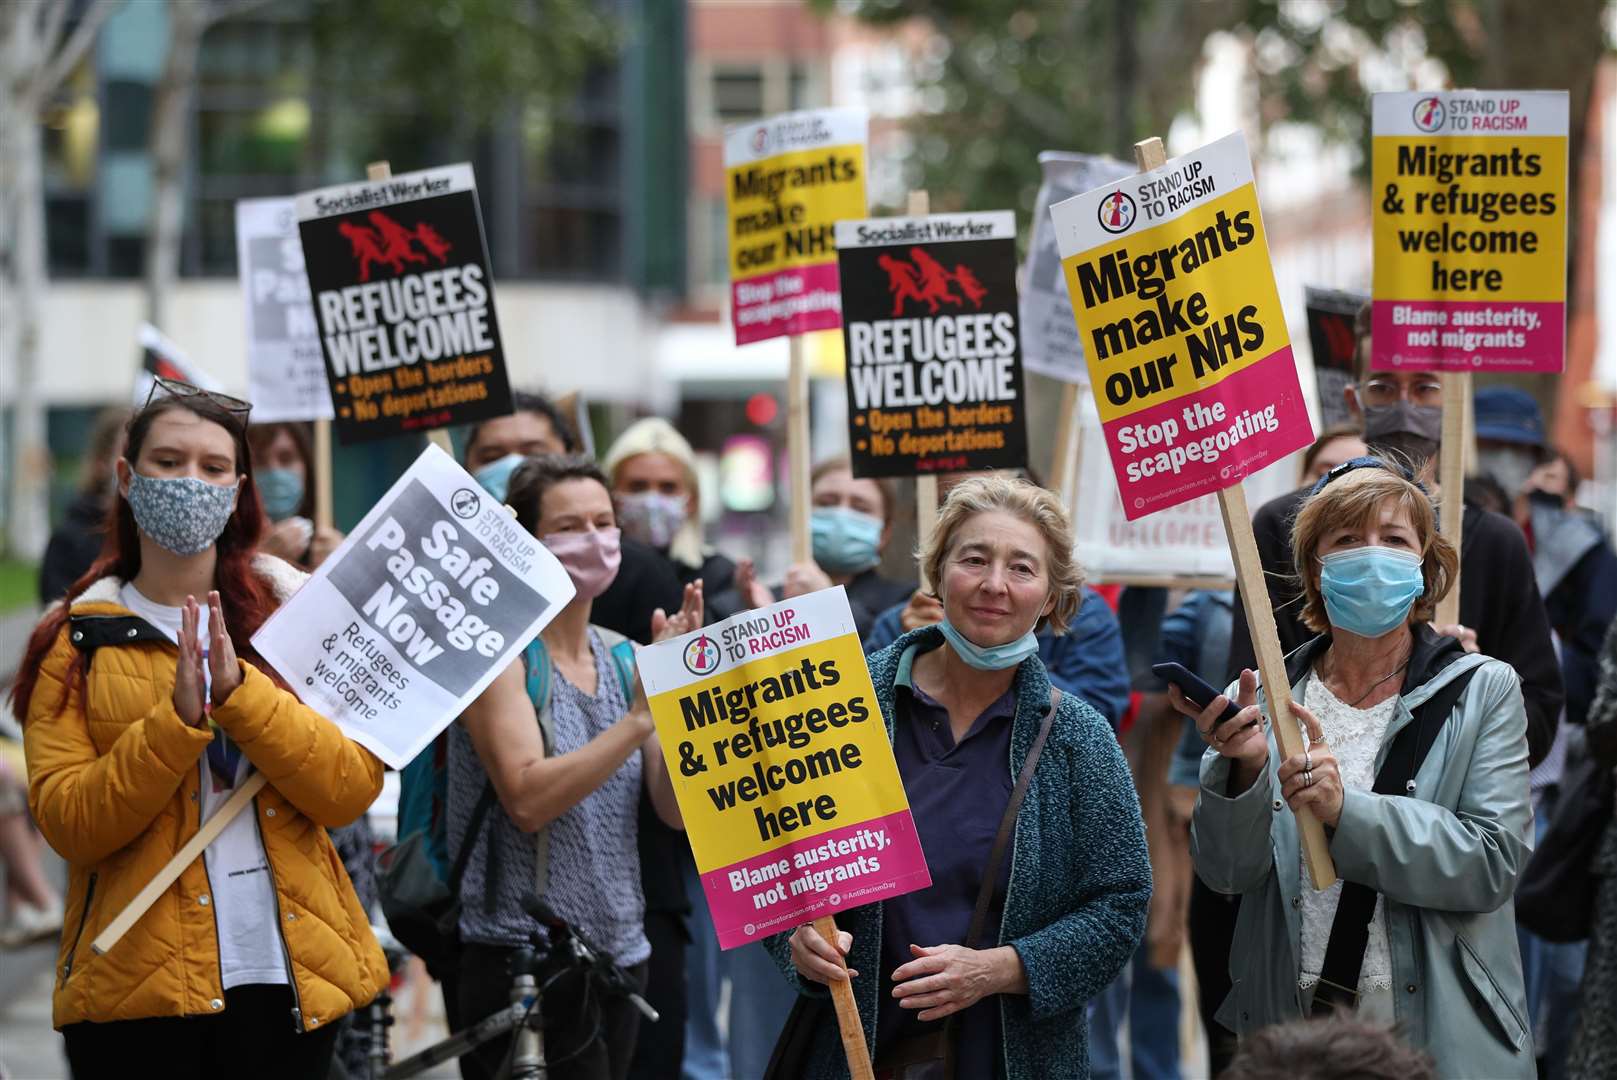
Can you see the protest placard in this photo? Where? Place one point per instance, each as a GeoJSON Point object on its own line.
{"type": "Point", "coordinates": [934, 370]}
{"type": "Point", "coordinates": [1331, 315]}
{"type": "Point", "coordinates": [1185, 341]}
{"type": "Point", "coordinates": [1469, 204]}
{"type": "Point", "coordinates": [404, 301]}
{"type": "Point", "coordinates": [431, 596]}
{"type": "Point", "coordinates": [782, 765]}
{"type": "Point", "coordinates": [286, 374]}
{"type": "Point", "coordinates": [160, 358]}
{"type": "Point", "coordinates": [788, 179]}
{"type": "Point", "coordinates": [1184, 545]}
{"type": "Point", "coordinates": [1050, 342]}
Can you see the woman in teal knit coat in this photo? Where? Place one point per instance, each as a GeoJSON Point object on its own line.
{"type": "Point", "coordinates": [963, 703]}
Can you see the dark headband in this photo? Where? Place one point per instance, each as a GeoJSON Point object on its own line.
{"type": "Point", "coordinates": [1368, 461]}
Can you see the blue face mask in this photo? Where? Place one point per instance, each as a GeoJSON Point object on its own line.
{"type": "Point", "coordinates": [182, 514]}
{"type": "Point", "coordinates": [496, 475]}
{"type": "Point", "coordinates": [281, 492]}
{"type": "Point", "coordinates": [845, 541]}
{"type": "Point", "coordinates": [1369, 590]}
{"type": "Point", "coordinates": [992, 657]}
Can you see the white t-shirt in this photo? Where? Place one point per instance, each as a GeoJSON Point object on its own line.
{"type": "Point", "coordinates": [243, 897]}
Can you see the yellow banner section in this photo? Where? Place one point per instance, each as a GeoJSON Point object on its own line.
{"type": "Point", "coordinates": [1177, 308]}
{"type": "Point", "coordinates": [780, 749]}
{"type": "Point", "coordinates": [1469, 218]}
{"type": "Point", "coordinates": [783, 210]}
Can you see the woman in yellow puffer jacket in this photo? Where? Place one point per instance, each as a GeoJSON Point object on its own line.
{"type": "Point", "coordinates": [142, 711]}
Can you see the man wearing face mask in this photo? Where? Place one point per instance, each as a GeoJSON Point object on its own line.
{"type": "Point", "coordinates": [1501, 611]}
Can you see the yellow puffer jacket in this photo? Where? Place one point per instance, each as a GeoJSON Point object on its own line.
{"type": "Point", "coordinates": [114, 781]}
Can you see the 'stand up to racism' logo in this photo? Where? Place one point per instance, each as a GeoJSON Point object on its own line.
{"type": "Point", "coordinates": [760, 139]}
{"type": "Point", "coordinates": [1116, 212]}
{"type": "Point", "coordinates": [926, 281]}
{"type": "Point", "coordinates": [701, 655]}
{"type": "Point", "coordinates": [1429, 114]}
{"type": "Point", "coordinates": [386, 243]}
{"type": "Point", "coordinates": [465, 503]}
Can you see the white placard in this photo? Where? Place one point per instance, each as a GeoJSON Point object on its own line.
{"type": "Point", "coordinates": [286, 374]}
{"type": "Point", "coordinates": [434, 594]}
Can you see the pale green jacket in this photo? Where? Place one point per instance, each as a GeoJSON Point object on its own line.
{"type": "Point", "coordinates": [1446, 858]}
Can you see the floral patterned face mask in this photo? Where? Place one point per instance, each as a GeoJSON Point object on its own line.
{"type": "Point", "coordinates": [181, 514]}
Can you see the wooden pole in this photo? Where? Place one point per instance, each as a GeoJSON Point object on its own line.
{"type": "Point", "coordinates": [1451, 464]}
{"type": "Point", "coordinates": [853, 1032]}
{"type": "Point", "coordinates": [926, 486]}
{"type": "Point", "coordinates": [382, 170]}
{"type": "Point", "coordinates": [1260, 622]}
{"type": "Point", "coordinates": [182, 858]}
{"type": "Point", "coordinates": [797, 449]}
{"type": "Point", "coordinates": [324, 502]}
{"type": "Point", "coordinates": [1064, 452]}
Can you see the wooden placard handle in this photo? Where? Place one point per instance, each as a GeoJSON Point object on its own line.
{"type": "Point", "coordinates": [848, 1023]}
{"type": "Point", "coordinates": [797, 450]}
{"type": "Point", "coordinates": [1064, 450]}
{"type": "Point", "coordinates": [171, 871]}
{"type": "Point", "coordinates": [1451, 465]}
{"type": "Point", "coordinates": [1260, 621]}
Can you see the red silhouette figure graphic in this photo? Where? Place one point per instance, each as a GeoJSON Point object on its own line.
{"type": "Point", "coordinates": [366, 246]}
{"type": "Point", "coordinates": [973, 289]}
{"type": "Point", "coordinates": [398, 241]}
{"type": "Point", "coordinates": [934, 281]}
{"type": "Point", "coordinates": [902, 282]}
{"type": "Point", "coordinates": [436, 245]}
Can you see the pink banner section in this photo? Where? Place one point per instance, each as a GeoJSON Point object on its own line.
{"type": "Point", "coordinates": [1172, 453]}
{"type": "Point", "coordinates": [791, 301]}
{"type": "Point", "coordinates": [1468, 335]}
{"type": "Point", "coordinates": [797, 883]}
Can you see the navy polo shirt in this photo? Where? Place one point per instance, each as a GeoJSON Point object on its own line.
{"type": "Point", "coordinates": [958, 793]}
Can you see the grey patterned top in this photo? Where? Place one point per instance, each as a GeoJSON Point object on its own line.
{"type": "Point", "coordinates": [594, 861]}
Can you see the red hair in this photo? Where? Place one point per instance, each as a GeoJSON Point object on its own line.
{"type": "Point", "coordinates": [246, 598]}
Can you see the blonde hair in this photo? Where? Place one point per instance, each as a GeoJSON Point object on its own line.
{"type": "Point", "coordinates": [654, 435]}
{"type": "Point", "coordinates": [1356, 500]}
{"type": "Point", "coordinates": [1034, 505]}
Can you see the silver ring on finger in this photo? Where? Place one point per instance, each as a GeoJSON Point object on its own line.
{"type": "Point", "coordinates": [1308, 778]}
{"type": "Point", "coordinates": [1308, 761]}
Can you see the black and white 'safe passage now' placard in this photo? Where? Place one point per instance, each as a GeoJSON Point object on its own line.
{"type": "Point", "coordinates": [434, 594]}
{"type": "Point", "coordinates": [399, 275]}
{"type": "Point", "coordinates": [934, 363]}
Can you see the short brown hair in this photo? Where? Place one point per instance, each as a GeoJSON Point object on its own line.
{"type": "Point", "coordinates": [889, 493]}
{"type": "Point", "coordinates": [1333, 1048]}
{"type": "Point", "coordinates": [537, 475]}
{"type": "Point", "coordinates": [1034, 505]}
{"type": "Point", "coordinates": [1356, 498]}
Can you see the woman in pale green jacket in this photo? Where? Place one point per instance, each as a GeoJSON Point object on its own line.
{"type": "Point", "coordinates": [1416, 764]}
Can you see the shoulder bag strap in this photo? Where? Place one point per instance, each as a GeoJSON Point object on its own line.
{"type": "Point", "coordinates": [1338, 985]}
{"type": "Point", "coordinates": [469, 839]}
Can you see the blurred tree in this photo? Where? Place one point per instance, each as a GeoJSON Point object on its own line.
{"type": "Point", "coordinates": [1009, 78]}
{"type": "Point", "coordinates": [41, 42]}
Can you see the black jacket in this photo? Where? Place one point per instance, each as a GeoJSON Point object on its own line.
{"type": "Point", "coordinates": [1498, 599]}
{"type": "Point", "coordinates": [73, 546]}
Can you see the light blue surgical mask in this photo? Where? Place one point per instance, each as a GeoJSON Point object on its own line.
{"type": "Point", "coordinates": [845, 541]}
{"type": "Point", "coordinates": [991, 657]}
{"type": "Point", "coordinates": [496, 475]}
{"type": "Point", "coordinates": [1369, 590]}
{"type": "Point", "coordinates": [281, 492]}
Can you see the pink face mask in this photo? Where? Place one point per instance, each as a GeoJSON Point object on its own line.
{"type": "Point", "coordinates": [590, 558]}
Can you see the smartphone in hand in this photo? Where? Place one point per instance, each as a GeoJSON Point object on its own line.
{"type": "Point", "coordinates": [1196, 690]}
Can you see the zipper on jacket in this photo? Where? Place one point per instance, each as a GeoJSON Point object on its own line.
{"type": "Point", "coordinates": [84, 918]}
{"type": "Point", "coordinates": [280, 935]}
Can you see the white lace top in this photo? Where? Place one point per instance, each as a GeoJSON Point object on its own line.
{"type": "Point", "coordinates": [1354, 736]}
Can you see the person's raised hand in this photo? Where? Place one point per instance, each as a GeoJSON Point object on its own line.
{"type": "Point", "coordinates": [816, 960]}
{"type": "Point", "coordinates": [753, 593]}
{"type": "Point", "coordinates": [188, 676]}
{"type": "Point", "coordinates": [223, 667]}
{"type": "Point", "coordinates": [803, 578]}
{"type": "Point", "coordinates": [1312, 779]}
{"type": "Point", "coordinates": [924, 609]}
{"type": "Point", "coordinates": [324, 543]}
{"type": "Point", "coordinates": [287, 539]}
{"type": "Point", "coordinates": [1241, 738]}
{"type": "Point", "coordinates": [683, 621]}
{"type": "Point", "coordinates": [1466, 636]}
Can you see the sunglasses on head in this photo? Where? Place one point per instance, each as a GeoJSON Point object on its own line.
{"type": "Point", "coordinates": [165, 388]}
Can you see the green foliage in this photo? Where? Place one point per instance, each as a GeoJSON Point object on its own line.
{"type": "Point", "coordinates": [460, 62]}
{"type": "Point", "coordinates": [1014, 77]}
{"type": "Point", "coordinates": [18, 584]}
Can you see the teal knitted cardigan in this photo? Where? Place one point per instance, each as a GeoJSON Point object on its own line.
{"type": "Point", "coordinates": [1080, 882]}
